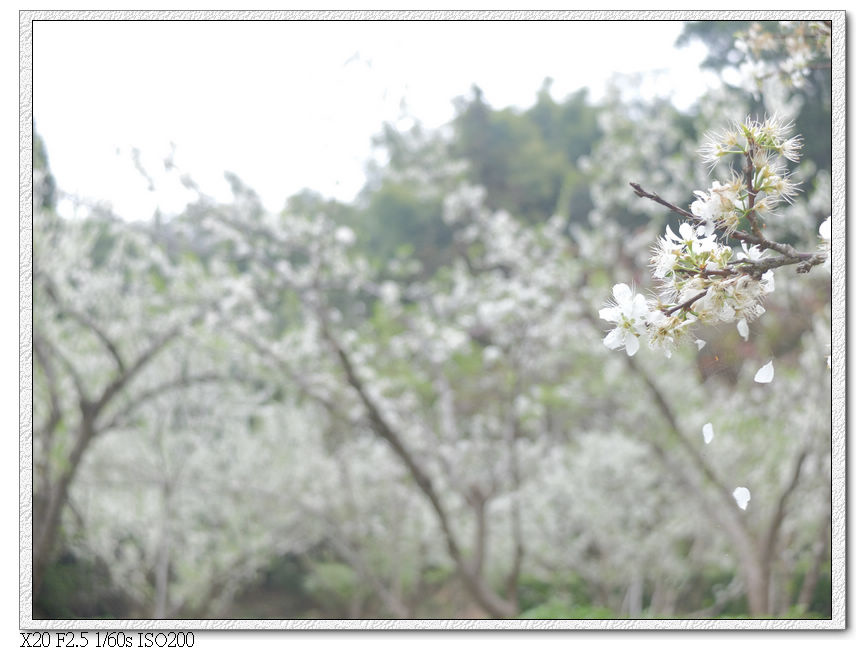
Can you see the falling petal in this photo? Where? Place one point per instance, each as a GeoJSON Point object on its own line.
{"type": "Point", "coordinates": [700, 344]}
{"type": "Point", "coordinates": [742, 326]}
{"type": "Point", "coordinates": [826, 229]}
{"type": "Point", "coordinates": [708, 433]}
{"type": "Point", "coordinates": [742, 496]}
{"type": "Point", "coordinates": [765, 374]}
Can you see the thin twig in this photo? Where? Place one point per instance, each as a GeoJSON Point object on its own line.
{"type": "Point", "coordinates": [805, 261]}
{"type": "Point", "coordinates": [685, 305]}
{"type": "Point", "coordinates": [752, 195]}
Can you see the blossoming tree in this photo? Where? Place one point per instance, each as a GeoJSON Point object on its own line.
{"type": "Point", "coordinates": [701, 283]}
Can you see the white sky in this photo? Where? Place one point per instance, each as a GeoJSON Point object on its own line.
{"type": "Point", "coordinates": [288, 105]}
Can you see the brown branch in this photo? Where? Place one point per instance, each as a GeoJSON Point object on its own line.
{"type": "Point", "coordinates": [770, 540]}
{"type": "Point", "coordinates": [136, 401]}
{"type": "Point", "coordinates": [153, 350]}
{"type": "Point", "coordinates": [805, 260]}
{"type": "Point", "coordinates": [123, 379]}
{"type": "Point", "coordinates": [639, 191]}
{"type": "Point", "coordinates": [512, 580]}
{"type": "Point", "coordinates": [705, 273]}
{"type": "Point", "coordinates": [668, 414]}
{"type": "Point", "coordinates": [685, 305]}
{"type": "Point", "coordinates": [484, 595]}
{"type": "Point", "coordinates": [86, 322]}
{"type": "Point", "coordinates": [77, 380]}
{"type": "Point", "coordinates": [56, 414]}
{"type": "Point", "coordinates": [281, 365]}
{"type": "Point", "coordinates": [752, 195]}
{"type": "Point", "coordinates": [728, 516]}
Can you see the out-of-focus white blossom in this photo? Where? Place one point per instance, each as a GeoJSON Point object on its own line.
{"type": "Point", "coordinates": [345, 235]}
{"type": "Point", "coordinates": [794, 47]}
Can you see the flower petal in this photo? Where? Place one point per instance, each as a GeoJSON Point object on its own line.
{"type": "Point", "coordinates": [686, 231]}
{"type": "Point", "coordinates": [614, 339]}
{"type": "Point", "coordinates": [825, 229]}
{"type": "Point", "coordinates": [640, 306]}
{"type": "Point", "coordinates": [742, 326]}
{"type": "Point", "coordinates": [609, 314]}
{"type": "Point", "coordinates": [765, 374]}
{"type": "Point", "coordinates": [622, 293]}
{"type": "Point", "coordinates": [768, 279]}
{"type": "Point", "coordinates": [632, 344]}
{"type": "Point", "coordinates": [742, 496]}
{"type": "Point", "coordinates": [708, 432]}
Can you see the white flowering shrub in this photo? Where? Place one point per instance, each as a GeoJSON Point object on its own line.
{"type": "Point", "coordinates": [187, 505]}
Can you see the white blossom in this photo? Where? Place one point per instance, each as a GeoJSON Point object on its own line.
{"type": "Point", "coordinates": [629, 313]}
{"type": "Point", "coordinates": [345, 235]}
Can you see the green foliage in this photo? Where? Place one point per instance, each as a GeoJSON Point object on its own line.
{"type": "Point", "coordinates": [399, 215]}
{"type": "Point", "coordinates": [719, 37]}
{"type": "Point", "coordinates": [78, 588]}
{"type": "Point", "coordinates": [535, 593]}
{"type": "Point", "coordinates": [527, 160]}
{"type": "Point", "coordinates": [45, 187]}
{"type": "Point", "coordinates": [559, 609]}
{"type": "Point", "coordinates": [278, 593]}
{"type": "Point", "coordinates": [331, 581]}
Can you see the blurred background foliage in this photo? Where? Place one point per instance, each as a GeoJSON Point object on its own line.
{"type": "Point", "coordinates": [190, 496]}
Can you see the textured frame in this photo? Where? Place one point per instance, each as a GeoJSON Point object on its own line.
{"type": "Point", "coordinates": [838, 305]}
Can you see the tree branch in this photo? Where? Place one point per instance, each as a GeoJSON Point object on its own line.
{"type": "Point", "coordinates": [135, 402]}
{"type": "Point", "coordinates": [56, 414]}
{"type": "Point", "coordinates": [790, 255]}
{"type": "Point", "coordinates": [86, 322]}
{"type": "Point", "coordinates": [484, 595]}
{"type": "Point", "coordinates": [53, 350]}
{"type": "Point", "coordinates": [685, 305]}
{"type": "Point", "coordinates": [771, 537]}
{"type": "Point", "coordinates": [737, 529]}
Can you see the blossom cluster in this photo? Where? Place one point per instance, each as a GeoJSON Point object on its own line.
{"type": "Point", "coordinates": [700, 278]}
{"type": "Point", "coordinates": [766, 146]}
{"type": "Point", "coordinates": [787, 54]}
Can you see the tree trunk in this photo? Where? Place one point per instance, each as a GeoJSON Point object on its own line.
{"type": "Point", "coordinates": [47, 527]}
{"type": "Point", "coordinates": [757, 576]}
{"type": "Point", "coordinates": [163, 557]}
